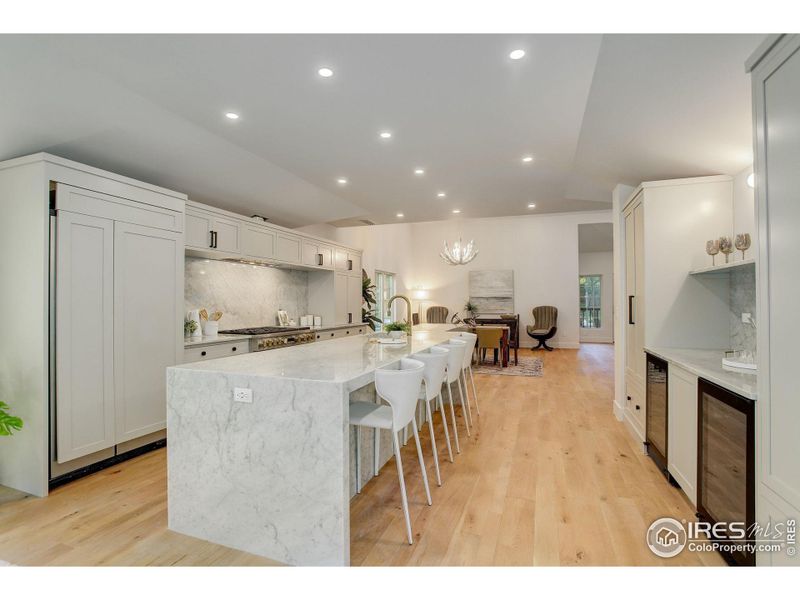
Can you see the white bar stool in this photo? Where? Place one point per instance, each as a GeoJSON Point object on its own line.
{"type": "Point", "coordinates": [399, 386]}
{"type": "Point", "coordinates": [435, 360]}
{"type": "Point", "coordinates": [472, 341]}
{"type": "Point", "coordinates": [455, 360]}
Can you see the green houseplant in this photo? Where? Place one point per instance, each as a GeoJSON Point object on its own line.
{"type": "Point", "coordinates": [8, 423]}
{"type": "Point", "coordinates": [368, 296]}
{"type": "Point", "coordinates": [470, 308]}
{"type": "Point", "coordinates": [397, 326]}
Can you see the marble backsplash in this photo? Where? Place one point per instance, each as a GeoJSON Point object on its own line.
{"type": "Point", "coordinates": [743, 300]}
{"type": "Point", "coordinates": [248, 296]}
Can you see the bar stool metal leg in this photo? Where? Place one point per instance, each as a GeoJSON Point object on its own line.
{"type": "Point", "coordinates": [453, 414]}
{"type": "Point", "coordinates": [464, 406]}
{"type": "Point", "coordinates": [422, 464]}
{"type": "Point", "coordinates": [474, 391]}
{"type": "Point", "coordinates": [444, 423]}
{"type": "Point", "coordinates": [404, 498]}
{"type": "Point", "coordinates": [433, 443]}
{"type": "Point", "coordinates": [466, 395]}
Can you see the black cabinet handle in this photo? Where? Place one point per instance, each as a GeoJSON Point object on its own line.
{"type": "Point", "coordinates": [331, 335]}
{"type": "Point", "coordinates": [233, 349]}
{"type": "Point", "coordinates": [203, 353]}
{"type": "Point", "coordinates": [319, 259]}
{"type": "Point", "coordinates": [213, 239]}
{"type": "Point", "coordinates": [629, 398]}
{"type": "Point", "coordinates": [349, 317]}
{"type": "Point", "coordinates": [349, 265]}
{"type": "Point", "coordinates": [638, 407]}
{"type": "Point", "coordinates": [630, 311]}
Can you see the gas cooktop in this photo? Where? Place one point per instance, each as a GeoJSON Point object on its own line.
{"type": "Point", "coordinates": [264, 330]}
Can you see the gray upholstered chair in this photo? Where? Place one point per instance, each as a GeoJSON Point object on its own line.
{"type": "Point", "coordinates": [437, 314]}
{"type": "Point", "coordinates": [545, 320]}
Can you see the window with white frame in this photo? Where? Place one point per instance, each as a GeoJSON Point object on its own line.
{"type": "Point", "coordinates": [384, 289]}
{"type": "Point", "coordinates": [590, 301]}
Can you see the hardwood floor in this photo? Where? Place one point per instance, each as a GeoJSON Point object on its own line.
{"type": "Point", "coordinates": [549, 477]}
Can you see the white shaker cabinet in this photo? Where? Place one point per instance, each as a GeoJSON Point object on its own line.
{"type": "Point", "coordinates": [209, 231]}
{"type": "Point", "coordinates": [682, 430]}
{"type": "Point", "coordinates": [354, 299]}
{"type": "Point", "coordinates": [84, 335]}
{"type": "Point", "coordinates": [776, 88]}
{"type": "Point", "coordinates": [258, 241]}
{"type": "Point", "coordinates": [147, 263]}
{"type": "Point", "coordinates": [288, 248]}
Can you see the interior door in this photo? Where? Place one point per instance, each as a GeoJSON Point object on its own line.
{"type": "Point", "coordinates": [148, 299]}
{"type": "Point", "coordinates": [84, 335]}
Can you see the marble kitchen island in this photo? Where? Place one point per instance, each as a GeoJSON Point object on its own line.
{"type": "Point", "coordinates": [273, 476]}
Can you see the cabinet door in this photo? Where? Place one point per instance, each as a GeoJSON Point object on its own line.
{"type": "Point", "coordinates": [639, 301]}
{"type": "Point", "coordinates": [227, 235]}
{"type": "Point", "coordinates": [148, 336]}
{"type": "Point", "coordinates": [311, 254]}
{"type": "Point", "coordinates": [340, 259]}
{"type": "Point", "coordinates": [354, 299]}
{"type": "Point", "coordinates": [340, 298]}
{"type": "Point", "coordinates": [630, 291]}
{"type": "Point", "coordinates": [258, 242]}
{"type": "Point", "coordinates": [682, 430]}
{"type": "Point", "coordinates": [84, 335]}
{"type": "Point", "coordinates": [198, 228]}
{"type": "Point", "coordinates": [288, 248]}
{"type": "Point", "coordinates": [327, 256]}
{"type": "Point", "coordinates": [354, 259]}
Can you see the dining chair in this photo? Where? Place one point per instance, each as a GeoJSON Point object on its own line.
{"type": "Point", "coordinates": [489, 338]}
{"type": "Point", "coordinates": [437, 314]}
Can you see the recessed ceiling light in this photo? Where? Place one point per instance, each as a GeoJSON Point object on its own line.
{"type": "Point", "coordinates": [441, 195]}
{"type": "Point", "coordinates": [527, 159]}
{"type": "Point", "coordinates": [751, 180]}
{"type": "Point", "coordinates": [531, 205]}
{"type": "Point", "coordinates": [325, 72]}
{"type": "Point", "coordinates": [419, 171]}
{"type": "Point", "coordinates": [232, 115]}
{"type": "Point", "coordinates": [516, 54]}
{"type": "Point", "coordinates": [385, 134]}
{"type": "Point", "coordinates": [400, 215]}
{"type": "Point", "coordinates": [342, 181]}
{"type": "Point", "coordinates": [456, 211]}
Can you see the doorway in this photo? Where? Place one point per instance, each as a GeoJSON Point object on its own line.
{"type": "Point", "coordinates": [596, 283]}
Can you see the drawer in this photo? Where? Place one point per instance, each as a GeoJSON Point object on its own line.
{"type": "Point", "coordinates": [215, 351]}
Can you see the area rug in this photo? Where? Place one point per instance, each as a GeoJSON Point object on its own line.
{"type": "Point", "coordinates": [528, 367]}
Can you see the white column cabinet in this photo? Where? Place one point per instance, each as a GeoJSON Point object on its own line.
{"type": "Point", "coordinates": [147, 309]}
{"type": "Point", "coordinates": [635, 406]}
{"type": "Point", "coordinates": [776, 88]}
{"type": "Point", "coordinates": [84, 335]}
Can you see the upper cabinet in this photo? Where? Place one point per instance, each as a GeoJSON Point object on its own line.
{"type": "Point", "coordinates": [218, 234]}
{"type": "Point", "coordinates": [206, 230]}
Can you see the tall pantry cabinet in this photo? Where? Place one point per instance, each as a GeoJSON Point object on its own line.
{"type": "Point", "coordinates": [102, 296]}
{"type": "Point", "coordinates": [775, 70]}
{"type": "Point", "coordinates": [664, 226]}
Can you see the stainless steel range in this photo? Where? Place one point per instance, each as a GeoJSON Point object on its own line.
{"type": "Point", "coordinates": [268, 338]}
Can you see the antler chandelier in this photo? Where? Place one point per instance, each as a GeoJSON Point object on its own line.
{"type": "Point", "coordinates": [459, 254]}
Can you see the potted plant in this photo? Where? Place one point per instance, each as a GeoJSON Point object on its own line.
{"type": "Point", "coordinates": [368, 295]}
{"type": "Point", "coordinates": [470, 308]}
{"type": "Point", "coordinates": [397, 329]}
{"type": "Point", "coordinates": [8, 423]}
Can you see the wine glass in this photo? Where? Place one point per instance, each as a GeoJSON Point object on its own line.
{"type": "Point", "coordinates": [712, 249]}
{"type": "Point", "coordinates": [725, 246]}
{"type": "Point", "coordinates": [742, 242]}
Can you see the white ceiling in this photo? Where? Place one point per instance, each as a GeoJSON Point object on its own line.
{"type": "Point", "coordinates": [593, 111]}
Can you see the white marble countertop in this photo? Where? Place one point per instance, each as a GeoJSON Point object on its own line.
{"type": "Point", "coordinates": [708, 365]}
{"type": "Point", "coordinates": [350, 360]}
{"type": "Point", "coordinates": [210, 340]}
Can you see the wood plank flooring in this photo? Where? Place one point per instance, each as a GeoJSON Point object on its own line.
{"type": "Point", "coordinates": [548, 477]}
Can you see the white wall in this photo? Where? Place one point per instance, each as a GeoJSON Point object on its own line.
{"type": "Point", "coordinates": [542, 250]}
{"type": "Point", "coordinates": [600, 263]}
{"type": "Point", "coordinates": [744, 210]}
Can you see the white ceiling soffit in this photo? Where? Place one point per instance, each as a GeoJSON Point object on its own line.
{"type": "Point", "coordinates": [591, 110]}
{"type": "Point", "coordinates": [595, 237]}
